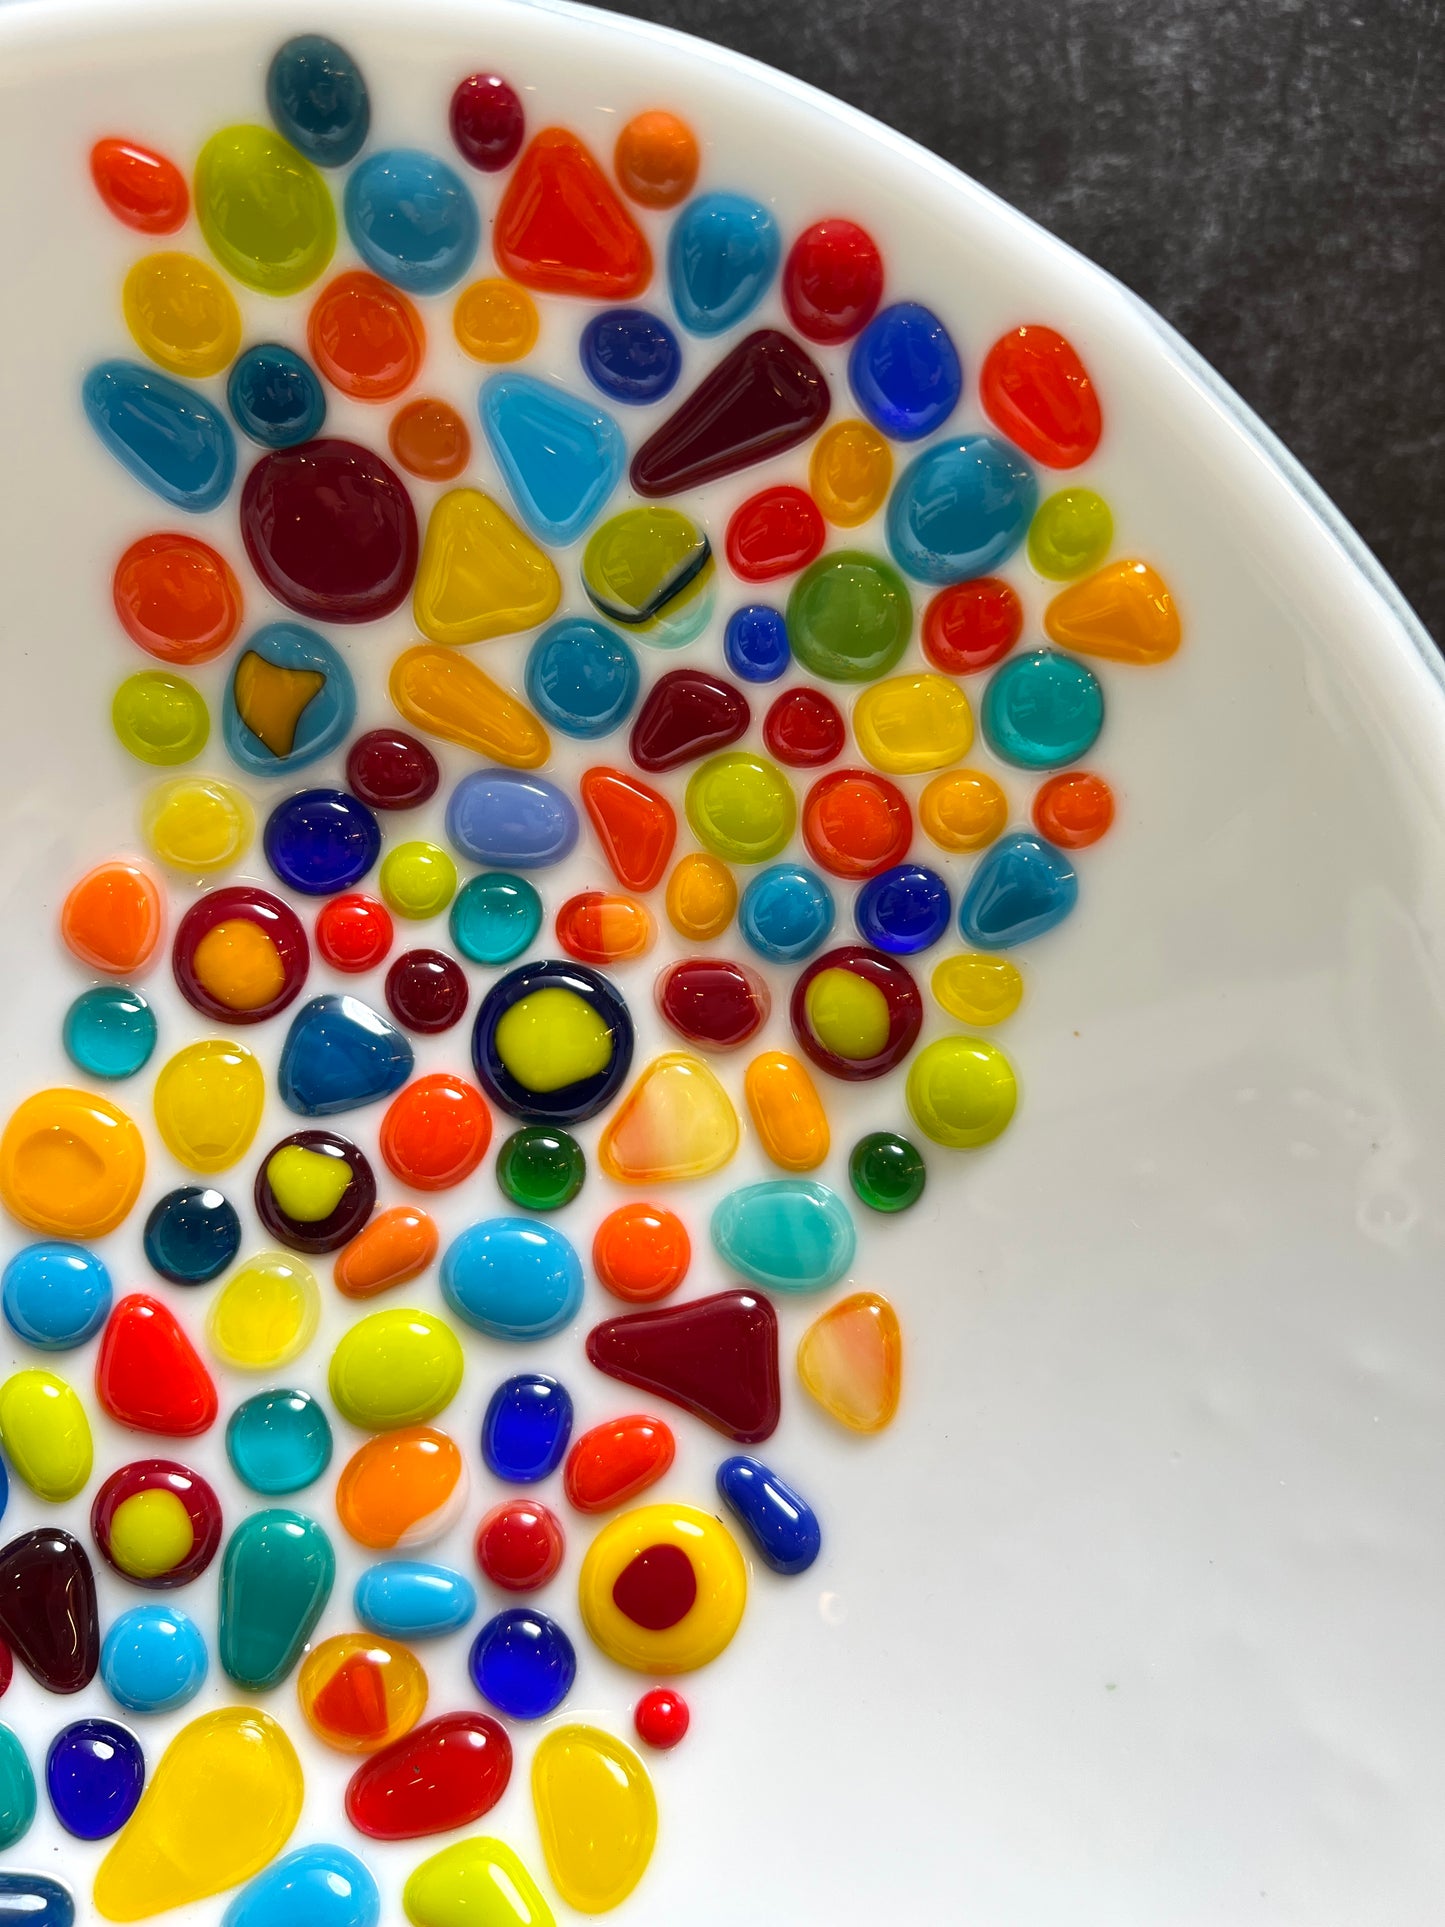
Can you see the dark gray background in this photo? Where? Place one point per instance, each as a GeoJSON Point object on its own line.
{"type": "Point", "coordinates": [1266, 173]}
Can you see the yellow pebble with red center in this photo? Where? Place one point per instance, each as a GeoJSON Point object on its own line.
{"type": "Point", "coordinates": [849, 473]}
{"type": "Point", "coordinates": [596, 1813]}
{"type": "Point", "coordinates": [786, 1111]}
{"type": "Point", "coordinates": [964, 810]}
{"type": "Point", "coordinates": [976, 988]}
{"type": "Point", "coordinates": [358, 1693]}
{"type": "Point", "coordinates": [848, 1014]}
{"type": "Point", "coordinates": [851, 1361]}
{"type": "Point", "coordinates": [495, 320]}
{"type": "Point", "coordinates": [397, 1367]}
{"type": "Point", "coordinates": [150, 1534]}
{"type": "Point", "coordinates": [662, 1588]}
{"type": "Point", "coordinates": [208, 1101]}
{"type": "Point", "coordinates": [307, 1185]}
{"type": "Point", "coordinates": [552, 1038]}
{"type": "Point", "coordinates": [480, 575]}
{"type": "Point", "coordinates": [267, 1313]}
{"type": "Point", "coordinates": [908, 724]}
{"type": "Point", "coordinates": [702, 897]}
{"type": "Point", "coordinates": [182, 314]}
{"type": "Point", "coordinates": [46, 1434]}
{"type": "Point", "coordinates": [197, 824]}
{"type": "Point", "coordinates": [418, 880]}
{"type": "Point", "coordinates": [239, 965]}
{"type": "Point", "coordinates": [961, 1091]}
{"type": "Point", "coordinates": [70, 1163]}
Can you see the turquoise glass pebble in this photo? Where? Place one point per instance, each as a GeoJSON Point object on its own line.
{"type": "Point", "coordinates": [1022, 887]}
{"type": "Point", "coordinates": [782, 1525]}
{"type": "Point", "coordinates": [17, 1799]}
{"type": "Point", "coordinates": [165, 432]}
{"type": "Point", "coordinates": [109, 1031]}
{"type": "Point", "coordinates": [755, 643]}
{"type": "Point", "coordinates": [340, 1053]}
{"type": "Point", "coordinates": [407, 1599]}
{"type": "Point", "coordinates": [55, 1295]}
{"type": "Point", "coordinates": [275, 397]}
{"type": "Point", "coordinates": [276, 1576]}
{"type": "Point", "coordinates": [904, 371]}
{"type": "Point", "coordinates": [278, 1442]}
{"type": "Point", "coordinates": [412, 219]}
{"type": "Point", "coordinates": [495, 917]}
{"type": "Point", "coordinates": [960, 509]}
{"type": "Point", "coordinates": [787, 1235]}
{"type": "Point", "coordinates": [318, 99]}
{"type": "Point", "coordinates": [512, 1278]}
{"type": "Point", "coordinates": [94, 1773]}
{"type": "Point", "coordinates": [192, 1234]}
{"type": "Point", "coordinates": [631, 355]}
{"type": "Point", "coordinates": [315, 1886]}
{"type": "Point", "coordinates": [509, 816]}
{"type": "Point", "coordinates": [526, 1428]}
{"type": "Point", "coordinates": [903, 910]}
{"type": "Point", "coordinates": [786, 913]}
{"type": "Point", "coordinates": [722, 255]}
{"type": "Point", "coordinates": [1042, 710]}
{"type": "Point", "coordinates": [323, 723]}
{"type": "Point", "coordinates": [321, 841]}
{"type": "Point", "coordinates": [153, 1660]}
{"type": "Point", "coordinates": [561, 457]}
{"type": "Point", "coordinates": [581, 677]}
{"type": "Point", "coordinates": [34, 1900]}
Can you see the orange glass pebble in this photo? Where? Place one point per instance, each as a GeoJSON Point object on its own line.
{"type": "Point", "coordinates": [177, 598]}
{"type": "Point", "coordinates": [856, 824]}
{"type": "Point", "coordinates": [139, 186]}
{"type": "Point", "coordinates": [656, 159]}
{"type": "Point", "coordinates": [598, 928]}
{"type": "Point", "coordinates": [616, 1460]}
{"type": "Point", "coordinates": [1074, 808]}
{"type": "Point", "coordinates": [70, 1163]}
{"type": "Point", "coordinates": [111, 919]}
{"type": "Point", "coordinates": [635, 825]}
{"type": "Point", "coordinates": [436, 1132]}
{"type": "Point", "coordinates": [366, 337]}
{"type": "Point", "coordinates": [561, 227]}
{"type": "Point", "coordinates": [787, 1111]}
{"type": "Point", "coordinates": [849, 473]}
{"type": "Point", "coordinates": [851, 1361]}
{"type": "Point", "coordinates": [641, 1253]}
{"type": "Point", "coordinates": [495, 320]}
{"type": "Point", "coordinates": [1035, 388]}
{"type": "Point", "coordinates": [359, 1693]}
{"type": "Point", "coordinates": [430, 439]}
{"type": "Point", "coordinates": [963, 810]}
{"type": "Point", "coordinates": [1123, 612]}
{"type": "Point", "coordinates": [396, 1246]}
{"type": "Point", "coordinates": [402, 1488]}
{"type": "Point", "coordinates": [702, 897]}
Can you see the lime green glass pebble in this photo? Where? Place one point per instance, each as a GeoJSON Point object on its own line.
{"type": "Point", "coordinates": [1070, 534]}
{"type": "Point", "coordinates": [160, 718]}
{"type": "Point", "coordinates": [961, 1092]}
{"type": "Point", "coordinates": [886, 1171]}
{"type": "Point", "coordinates": [849, 617]}
{"type": "Point", "coordinates": [397, 1367]}
{"type": "Point", "coordinates": [741, 806]}
{"type": "Point", "coordinates": [541, 1168]}
{"type": "Point", "coordinates": [418, 880]}
{"type": "Point", "coordinates": [264, 210]}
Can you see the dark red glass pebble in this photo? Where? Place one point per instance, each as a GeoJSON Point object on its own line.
{"type": "Point", "coordinates": [444, 1774]}
{"type": "Point", "coordinates": [390, 770]}
{"type": "Point", "coordinates": [713, 1001]}
{"type": "Point", "coordinates": [776, 532]}
{"type": "Point", "coordinates": [520, 1544]}
{"type": "Point", "coordinates": [762, 399]}
{"type": "Point", "coordinates": [487, 121]}
{"type": "Point", "coordinates": [47, 1608]}
{"type": "Point", "coordinates": [657, 1588]}
{"type": "Point", "coordinates": [149, 1375]}
{"type": "Point", "coordinates": [426, 990]}
{"type": "Point", "coordinates": [832, 280]}
{"type": "Point", "coordinates": [686, 714]}
{"type": "Point", "coordinates": [7, 1668]}
{"type": "Point", "coordinates": [715, 1357]}
{"type": "Point", "coordinates": [340, 1226]}
{"type": "Point", "coordinates": [330, 530]}
{"type": "Point", "coordinates": [241, 903]}
{"type": "Point", "coordinates": [804, 729]}
{"type": "Point", "coordinates": [160, 1475]}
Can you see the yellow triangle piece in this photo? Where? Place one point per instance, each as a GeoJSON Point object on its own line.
{"type": "Point", "coordinates": [480, 575]}
{"type": "Point", "coordinates": [677, 1121]}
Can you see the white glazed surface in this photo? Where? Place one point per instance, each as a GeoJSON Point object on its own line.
{"type": "Point", "coordinates": [1133, 1615]}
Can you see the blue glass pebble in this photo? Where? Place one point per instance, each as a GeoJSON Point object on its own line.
{"type": "Point", "coordinates": [33, 1900]}
{"type": "Point", "coordinates": [495, 917]}
{"type": "Point", "coordinates": [755, 643]}
{"type": "Point", "coordinates": [412, 219]}
{"type": "Point", "coordinates": [17, 1799]}
{"type": "Point", "coordinates": [510, 816]}
{"type": "Point", "coordinates": [1022, 887]}
{"type": "Point", "coordinates": [786, 913]}
{"type": "Point", "coordinates": [192, 1234]}
{"type": "Point", "coordinates": [340, 1053]}
{"type": "Point", "coordinates": [523, 1663]}
{"type": "Point", "coordinates": [1042, 710]}
{"type": "Point", "coordinates": [407, 1599]}
{"type": "Point", "coordinates": [109, 1031]}
{"type": "Point", "coordinates": [279, 1441]}
{"type": "Point", "coordinates": [55, 1295]}
{"type": "Point", "coordinates": [94, 1773]}
{"type": "Point", "coordinates": [526, 1429]}
{"type": "Point", "coordinates": [903, 910]}
{"type": "Point", "coordinates": [4, 1502]}
{"type": "Point", "coordinates": [318, 99]}
{"type": "Point", "coordinates": [315, 1886]}
{"type": "Point", "coordinates": [631, 355]}
{"type": "Point", "coordinates": [323, 723]}
{"type": "Point", "coordinates": [164, 431]}
{"type": "Point", "coordinates": [321, 841]}
{"type": "Point", "coordinates": [153, 1659]}
{"type": "Point", "coordinates": [561, 457]}
{"type": "Point", "coordinates": [722, 254]}
{"type": "Point", "coordinates": [960, 509]}
{"type": "Point", "coordinates": [275, 396]}
{"type": "Point", "coordinates": [904, 371]}
{"type": "Point", "coordinates": [789, 1234]}
{"type": "Point", "coordinates": [782, 1525]}
{"type": "Point", "coordinates": [512, 1278]}
{"type": "Point", "coordinates": [581, 677]}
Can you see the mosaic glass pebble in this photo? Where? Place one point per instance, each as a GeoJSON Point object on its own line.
{"type": "Point", "coordinates": [804, 729]}
{"type": "Point", "coordinates": [541, 1167]}
{"type": "Point", "coordinates": [651, 568]}
{"type": "Point", "coordinates": [94, 1773]}
{"type": "Point", "coordinates": [46, 1434]}
{"type": "Point", "coordinates": [495, 321]}
{"type": "Point", "coordinates": [435, 1133]}
{"type": "Point", "coordinates": [55, 1295]}
{"type": "Point", "coordinates": [774, 533]}
{"type": "Point", "coordinates": [713, 1002]}
{"type": "Point", "coordinates": [755, 643]}
{"type": "Point", "coordinates": [495, 918]}
{"type": "Point", "coordinates": [181, 314]}
{"type": "Point", "coordinates": [886, 1171]}
{"type": "Point", "coordinates": [561, 229]}
{"type": "Point", "coordinates": [597, 1815]}
{"type": "Point", "coordinates": [526, 1428]}
{"type": "Point", "coordinates": [153, 1659]}
{"type": "Point", "coordinates": [48, 1608]}
{"type": "Point", "coordinates": [443, 1775]}
{"type": "Point", "coordinates": [662, 1588]}
{"type": "Point", "coordinates": [156, 1523]}
{"type": "Point", "coordinates": [290, 700]}
{"type": "Point", "coordinates": [971, 625]}
{"type": "Point", "coordinates": [165, 432]}
{"type": "Point", "coordinates": [702, 897]}
{"type": "Point", "coordinates": [318, 99]}
{"type": "Point", "coordinates": [631, 355]}
{"type": "Point", "coordinates": [1036, 389]}
{"type": "Point", "coordinates": [786, 1110]}
{"type": "Point", "coordinates": [960, 509]}
{"type": "Point", "coordinates": [111, 919]}
{"type": "Point", "coordinates": [561, 458]}
{"type": "Point", "coordinates": [782, 1526]}
{"type": "Point", "coordinates": [339, 1053]}
{"type": "Point", "coordinates": [519, 1545]}
{"type": "Point", "coordinates": [276, 1577]}
{"type": "Point", "coordinates": [487, 121]}
{"type": "Point", "coordinates": [321, 841]}
{"type": "Point", "coordinates": [196, 824]}
{"type": "Point", "coordinates": [850, 1361]}
{"type": "Point", "coordinates": [266, 213]}
{"type": "Point", "coordinates": [313, 1886]}
{"type": "Point", "coordinates": [1074, 809]}
{"type": "Point", "coordinates": [1124, 613]}
{"type": "Point", "coordinates": [505, 816]}
{"type": "Point", "coordinates": [208, 1101]}
{"type": "Point", "coordinates": [359, 1693]}
{"type": "Point", "coordinates": [581, 677]}
{"type": "Point", "coordinates": [633, 822]}
{"type": "Point", "coordinates": [641, 1252]}
{"type": "Point", "coordinates": [963, 810]}
{"type": "Point", "coordinates": [616, 1461]}
{"type": "Point", "coordinates": [149, 1376]}
{"type": "Point", "coordinates": [274, 396]}
{"type": "Point", "coordinates": [145, 191]}
{"type": "Point", "coordinates": [764, 397]}
{"type": "Point", "coordinates": [36, 1900]}
{"type": "Point", "coordinates": [412, 219]}
{"type": "Point", "coordinates": [314, 1191]}
{"type": "Point", "coordinates": [160, 719]}
{"type": "Point", "coordinates": [512, 1278]}
{"type": "Point", "coordinates": [856, 824]}
{"type": "Point", "coordinates": [903, 910]}
{"type": "Point", "coordinates": [330, 530]}
{"type": "Point", "coordinates": [687, 713]}
{"type": "Point", "coordinates": [474, 1882]}
{"type": "Point", "coordinates": [832, 280]}
{"type": "Point", "coordinates": [656, 158]}
{"type": "Point", "coordinates": [717, 1357]}
{"type": "Point", "coordinates": [904, 372]}
{"type": "Point", "coordinates": [1042, 709]}
{"type": "Point", "coordinates": [522, 1663]}
{"type": "Point", "coordinates": [961, 1091]}
{"type": "Point", "coordinates": [789, 1234]}
{"type": "Point", "coordinates": [1070, 534]}
{"type": "Point", "coordinates": [722, 254]}
{"type": "Point", "coordinates": [913, 723]}
{"type": "Point", "coordinates": [856, 1012]}
{"type": "Point", "coordinates": [191, 1235]}
{"type": "Point", "coordinates": [407, 1599]}
{"type": "Point", "coordinates": [676, 1122]}
{"type": "Point", "coordinates": [429, 439]}
{"type": "Point", "coordinates": [265, 1315]}
{"type": "Point", "coordinates": [661, 1718]}
{"type": "Point", "coordinates": [70, 1163]}
{"type": "Point", "coordinates": [278, 1442]}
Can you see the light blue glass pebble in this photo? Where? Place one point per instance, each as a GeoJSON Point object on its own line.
{"type": "Point", "coordinates": [755, 643]}
{"type": "Point", "coordinates": [787, 1235]}
{"type": "Point", "coordinates": [412, 219]}
{"type": "Point", "coordinates": [318, 99]}
{"type": "Point", "coordinates": [407, 1599]}
{"type": "Point", "coordinates": [164, 431]}
{"type": "Point", "coordinates": [903, 910]}
{"type": "Point", "coordinates": [153, 1659]}
{"type": "Point", "coordinates": [960, 509]}
{"type": "Point", "coordinates": [721, 257]}
{"type": "Point", "coordinates": [904, 371]}
{"type": "Point", "coordinates": [512, 1278]}
{"type": "Point", "coordinates": [561, 457]}
{"type": "Point", "coordinates": [317, 1886]}
{"type": "Point", "coordinates": [510, 816]}
{"type": "Point", "coordinates": [34, 1900]}
{"type": "Point", "coordinates": [781, 1524]}
{"type": "Point", "coordinates": [17, 1798]}
{"type": "Point", "coordinates": [1042, 710]}
{"type": "Point", "coordinates": [786, 913]}
{"type": "Point", "coordinates": [581, 677]}
{"type": "Point", "coordinates": [55, 1295]}
{"type": "Point", "coordinates": [1022, 887]}
{"type": "Point", "coordinates": [279, 1441]}
{"type": "Point", "coordinates": [495, 917]}
{"type": "Point", "coordinates": [324, 722]}
{"type": "Point", "coordinates": [340, 1053]}
{"type": "Point", "coordinates": [275, 396]}
{"type": "Point", "coordinates": [631, 355]}
{"type": "Point", "coordinates": [109, 1031]}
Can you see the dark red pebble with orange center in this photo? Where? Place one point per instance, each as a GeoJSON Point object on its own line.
{"type": "Point", "coordinates": [686, 714]}
{"type": "Point", "coordinates": [442, 1775]}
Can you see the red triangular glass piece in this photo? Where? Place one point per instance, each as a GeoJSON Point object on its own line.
{"type": "Point", "coordinates": [766, 396]}
{"type": "Point", "coordinates": [353, 1700]}
{"type": "Point", "coordinates": [635, 826]}
{"type": "Point", "coordinates": [149, 1375]}
{"type": "Point", "coordinates": [716, 1357]}
{"type": "Point", "coordinates": [561, 227]}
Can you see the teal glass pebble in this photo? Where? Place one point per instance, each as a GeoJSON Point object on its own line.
{"type": "Point", "coordinates": [276, 1576]}
{"type": "Point", "coordinates": [408, 1599]}
{"type": "Point", "coordinates": [340, 1053]}
{"type": "Point", "coordinates": [541, 1167]}
{"type": "Point", "coordinates": [786, 913]}
{"type": "Point", "coordinates": [722, 255]}
{"type": "Point", "coordinates": [1042, 710]}
{"type": "Point", "coordinates": [787, 1235]}
{"type": "Point", "coordinates": [153, 1659]}
{"type": "Point", "coordinates": [275, 396]}
{"type": "Point", "coordinates": [55, 1295]}
{"type": "Point", "coordinates": [512, 1278]}
{"type": "Point", "coordinates": [886, 1171]}
{"type": "Point", "coordinates": [1022, 887]}
{"type": "Point", "coordinates": [165, 432]}
{"type": "Point", "coordinates": [192, 1234]}
{"type": "Point", "coordinates": [279, 1442]}
{"type": "Point", "coordinates": [412, 219]}
{"type": "Point", "coordinates": [109, 1031]}
{"type": "Point", "coordinates": [960, 509]}
{"type": "Point", "coordinates": [318, 99]}
{"type": "Point", "coordinates": [581, 677]}
{"type": "Point", "coordinates": [17, 1795]}
{"type": "Point", "coordinates": [562, 457]}
{"type": "Point", "coordinates": [35, 1900]}
{"type": "Point", "coordinates": [495, 917]}
{"type": "Point", "coordinates": [313, 1886]}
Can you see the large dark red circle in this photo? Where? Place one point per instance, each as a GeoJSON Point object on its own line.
{"type": "Point", "coordinates": [330, 530]}
{"type": "Point", "coordinates": [905, 1011]}
{"type": "Point", "coordinates": [241, 903]}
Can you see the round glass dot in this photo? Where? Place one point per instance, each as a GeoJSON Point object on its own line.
{"type": "Point", "coordinates": [886, 1171]}
{"type": "Point", "coordinates": [278, 1441]}
{"type": "Point", "coordinates": [418, 880]}
{"type": "Point", "coordinates": [159, 718]}
{"type": "Point", "coordinates": [756, 643]}
{"type": "Point", "coordinates": [109, 1031]}
{"type": "Point", "coordinates": [426, 990]}
{"type": "Point", "coordinates": [192, 1235]}
{"type": "Point", "coordinates": [541, 1168]}
{"type": "Point", "coordinates": [275, 396]}
{"type": "Point", "coordinates": [631, 355]}
{"type": "Point", "coordinates": [1070, 534]}
{"type": "Point", "coordinates": [495, 917]}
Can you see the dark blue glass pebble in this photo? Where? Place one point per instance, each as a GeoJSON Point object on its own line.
{"type": "Point", "coordinates": [581, 677]}
{"type": "Point", "coordinates": [1022, 887]}
{"type": "Point", "coordinates": [786, 913]}
{"type": "Point", "coordinates": [781, 1524]}
{"type": "Point", "coordinates": [523, 1663]}
{"type": "Point", "coordinates": [903, 910]}
{"type": "Point", "coordinates": [318, 99]}
{"type": "Point", "coordinates": [192, 1234]}
{"type": "Point", "coordinates": [631, 355]}
{"type": "Point", "coordinates": [904, 371]}
{"type": "Point", "coordinates": [275, 396]}
{"type": "Point", "coordinates": [527, 1427]}
{"type": "Point", "coordinates": [32, 1900]}
{"type": "Point", "coordinates": [340, 1053]}
{"type": "Point", "coordinates": [756, 643]}
{"type": "Point", "coordinates": [568, 1103]}
{"type": "Point", "coordinates": [109, 1031]}
{"type": "Point", "coordinates": [321, 841]}
{"type": "Point", "coordinates": [94, 1773]}
{"type": "Point", "coordinates": [412, 219]}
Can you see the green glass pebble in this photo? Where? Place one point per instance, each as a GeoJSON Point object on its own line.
{"type": "Point", "coordinates": [849, 617]}
{"type": "Point", "coordinates": [160, 718]}
{"type": "Point", "coordinates": [278, 1441]}
{"type": "Point", "coordinates": [276, 1577]}
{"type": "Point", "coordinates": [888, 1173]}
{"type": "Point", "coordinates": [495, 917]}
{"type": "Point", "coordinates": [1070, 534]}
{"type": "Point", "coordinates": [17, 1790]}
{"type": "Point", "coordinates": [541, 1168]}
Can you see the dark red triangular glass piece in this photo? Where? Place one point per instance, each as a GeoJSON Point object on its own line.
{"type": "Point", "coordinates": [716, 1357]}
{"type": "Point", "coordinates": [766, 396]}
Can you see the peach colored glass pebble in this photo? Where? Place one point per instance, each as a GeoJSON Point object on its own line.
{"type": "Point", "coordinates": [677, 1121]}
{"type": "Point", "coordinates": [359, 1693]}
{"type": "Point", "coordinates": [786, 1110]}
{"type": "Point", "coordinates": [851, 1361]}
{"type": "Point", "coordinates": [396, 1246]}
{"type": "Point", "coordinates": [111, 919]}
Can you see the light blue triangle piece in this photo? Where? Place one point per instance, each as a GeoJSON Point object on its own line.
{"type": "Point", "coordinates": [561, 457]}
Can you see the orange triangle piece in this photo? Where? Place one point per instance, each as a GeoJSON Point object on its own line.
{"type": "Point", "coordinates": [1123, 612]}
{"type": "Point", "coordinates": [635, 825]}
{"type": "Point", "coordinates": [562, 229]}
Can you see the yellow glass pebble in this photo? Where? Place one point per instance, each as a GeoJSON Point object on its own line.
{"type": "Point", "coordinates": [474, 1883]}
{"type": "Point", "coordinates": [197, 824]}
{"type": "Point", "coordinates": [480, 575]}
{"type": "Point", "coordinates": [266, 212]}
{"type": "Point", "coordinates": [677, 1121]}
{"type": "Point", "coordinates": [208, 1101]}
{"type": "Point", "coordinates": [702, 897]}
{"type": "Point", "coordinates": [160, 718]}
{"type": "Point", "coordinates": [397, 1367]}
{"type": "Point", "coordinates": [851, 1361]}
{"type": "Point", "coordinates": [46, 1434]}
{"type": "Point", "coordinates": [239, 965]}
{"type": "Point", "coordinates": [267, 1313]}
{"type": "Point", "coordinates": [1124, 612]}
{"type": "Point", "coordinates": [963, 810]}
{"type": "Point", "coordinates": [552, 1038]}
{"type": "Point", "coordinates": [70, 1163]}
{"type": "Point", "coordinates": [961, 1091]}
{"type": "Point", "coordinates": [848, 1014]}
{"type": "Point", "coordinates": [495, 320]}
{"type": "Point", "coordinates": [786, 1110]}
{"type": "Point", "coordinates": [596, 1813]}
{"type": "Point", "coordinates": [358, 1693]}
{"type": "Point", "coordinates": [741, 806]}
{"type": "Point", "coordinates": [718, 1571]}
{"type": "Point", "coordinates": [222, 1803]}
{"type": "Point", "coordinates": [1070, 534]}
{"type": "Point", "coordinates": [307, 1185]}
{"type": "Point", "coordinates": [849, 473]}
{"type": "Point", "coordinates": [448, 696]}
{"type": "Point", "coordinates": [977, 989]}
{"type": "Point", "coordinates": [181, 314]}
{"type": "Point", "coordinates": [418, 879]}
{"type": "Point", "coordinates": [150, 1534]}
{"type": "Point", "coordinates": [908, 724]}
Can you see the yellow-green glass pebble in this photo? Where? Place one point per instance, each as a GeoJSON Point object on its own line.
{"type": "Point", "coordinates": [264, 210]}
{"type": "Point", "coordinates": [1070, 534]}
{"type": "Point", "coordinates": [160, 718]}
{"type": "Point", "coordinates": [418, 880]}
{"type": "Point", "coordinates": [46, 1434]}
{"type": "Point", "coordinates": [397, 1367]}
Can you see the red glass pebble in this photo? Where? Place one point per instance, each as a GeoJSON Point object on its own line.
{"type": "Point", "coordinates": [764, 398]}
{"type": "Point", "coordinates": [245, 999]}
{"type": "Point", "coordinates": [47, 1608]}
{"type": "Point", "coordinates": [713, 1001]}
{"type": "Point", "coordinates": [856, 823]}
{"type": "Point", "coordinates": [365, 337]}
{"type": "Point", "coordinates": [1035, 388]}
{"type": "Point", "coordinates": [561, 227]}
{"type": "Point", "coordinates": [520, 1545]}
{"type": "Point", "coordinates": [148, 1374]}
{"type": "Point", "coordinates": [487, 121]}
{"type": "Point", "coordinates": [330, 530]}
{"type": "Point", "coordinates": [687, 713]}
{"type": "Point", "coordinates": [160, 1475]}
{"type": "Point", "coordinates": [390, 770]}
{"type": "Point", "coordinates": [435, 1132]}
{"type": "Point", "coordinates": [635, 826]}
{"type": "Point", "coordinates": [615, 1461]}
{"type": "Point", "coordinates": [426, 990]}
{"type": "Point", "coordinates": [832, 280]}
{"type": "Point", "coordinates": [900, 993]}
{"type": "Point", "coordinates": [661, 1718]}
{"type": "Point", "coordinates": [177, 598]}
{"type": "Point", "coordinates": [1074, 808]}
{"type": "Point", "coordinates": [657, 1588]}
{"type": "Point", "coordinates": [804, 729]}
{"type": "Point", "coordinates": [598, 927]}
{"type": "Point", "coordinates": [716, 1357]}
{"type": "Point", "coordinates": [140, 187]}
{"type": "Point", "coordinates": [971, 625]}
{"type": "Point", "coordinates": [443, 1774]}
{"type": "Point", "coordinates": [353, 932]}
{"type": "Point", "coordinates": [776, 532]}
{"type": "Point", "coordinates": [7, 1668]}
